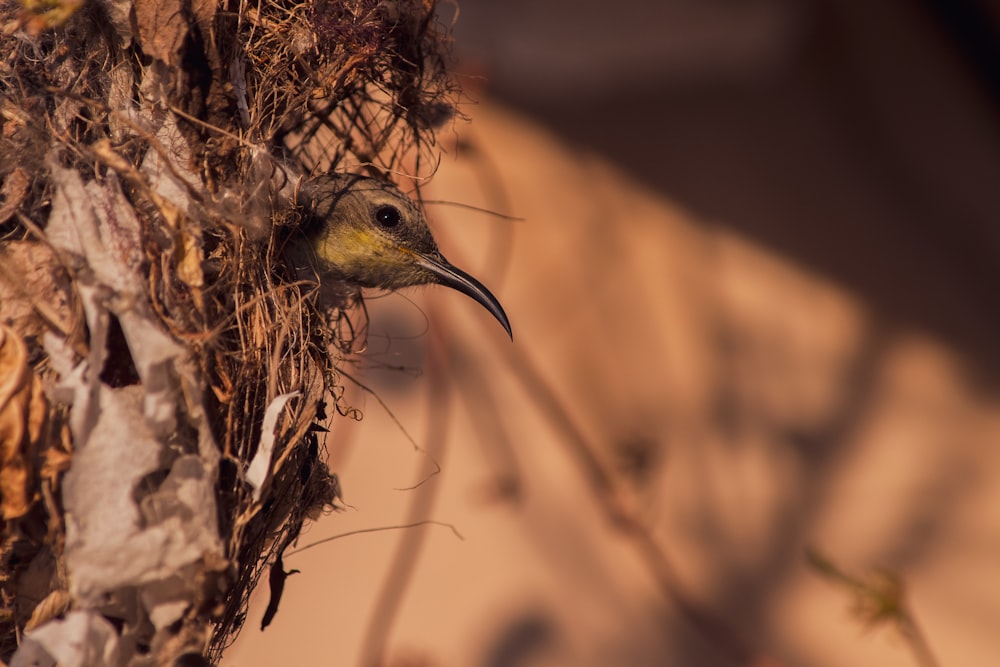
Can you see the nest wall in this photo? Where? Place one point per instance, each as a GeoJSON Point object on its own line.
{"type": "Point", "coordinates": [164, 379]}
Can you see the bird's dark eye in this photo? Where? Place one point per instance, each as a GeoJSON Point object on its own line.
{"type": "Point", "coordinates": [387, 217]}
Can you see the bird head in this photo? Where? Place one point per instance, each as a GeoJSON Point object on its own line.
{"type": "Point", "coordinates": [365, 232]}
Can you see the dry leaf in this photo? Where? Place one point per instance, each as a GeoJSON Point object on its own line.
{"type": "Point", "coordinates": [259, 469]}
{"type": "Point", "coordinates": [162, 29]}
{"type": "Point", "coordinates": [14, 188]}
{"type": "Point", "coordinates": [53, 606]}
{"type": "Point", "coordinates": [31, 301]}
{"type": "Point", "coordinates": [82, 639]}
{"type": "Point", "coordinates": [23, 411]}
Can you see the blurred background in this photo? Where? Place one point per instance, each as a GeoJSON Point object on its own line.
{"type": "Point", "coordinates": [754, 290]}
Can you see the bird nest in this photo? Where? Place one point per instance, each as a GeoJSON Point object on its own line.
{"type": "Point", "coordinates": [164, 378]}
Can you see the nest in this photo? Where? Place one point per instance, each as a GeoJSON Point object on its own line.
{"type": "Point", "coordinates": [164, 378]}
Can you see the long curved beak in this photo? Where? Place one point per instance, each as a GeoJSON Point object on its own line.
{"type": "Point", "coordinates": [450, 276]}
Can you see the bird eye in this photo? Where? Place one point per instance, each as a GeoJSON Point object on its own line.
{"type": "Point", "coordinates": [387, 217]}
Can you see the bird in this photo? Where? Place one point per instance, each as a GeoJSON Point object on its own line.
{"type": "Point", "coordinates": [362, 231]}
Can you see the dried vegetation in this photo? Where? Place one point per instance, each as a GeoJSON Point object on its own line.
{"type": "Point", "coordinates": [163, 378]}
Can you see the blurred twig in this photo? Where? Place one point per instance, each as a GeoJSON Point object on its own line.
{"type": "Point", "coordinates": [406, 557]}
{"type": "Point", "coordinates": [491, 426]}
{"type": "Point", "coordinates": [610, 497]}
{"type": "Point", "coordinates": [879, 599]}
{"type": "Point", "coordinates": [491, 183]}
